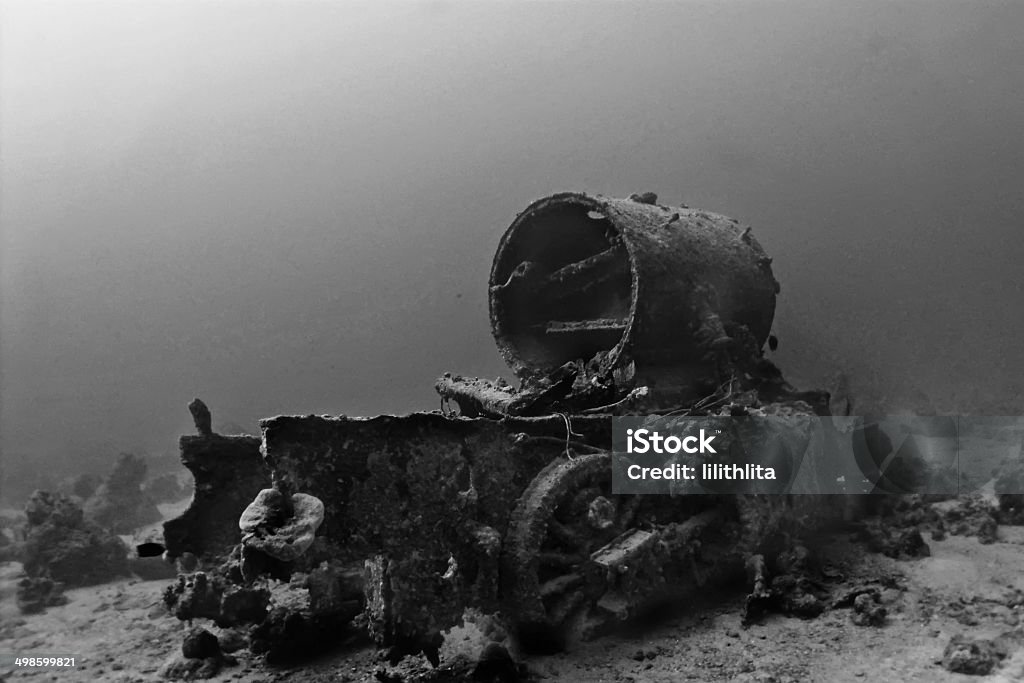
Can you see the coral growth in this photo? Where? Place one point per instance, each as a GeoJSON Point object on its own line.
{"type": "Point", "coordinates": [62, 545]}
{"type": "Point", "coordinates": [120, 504]}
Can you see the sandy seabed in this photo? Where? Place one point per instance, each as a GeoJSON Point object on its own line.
{"type": "Point", "coordinates": [121, 632]}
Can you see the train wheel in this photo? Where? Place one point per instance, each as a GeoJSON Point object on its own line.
{"type": "Point", "coordinates": [565, 514]}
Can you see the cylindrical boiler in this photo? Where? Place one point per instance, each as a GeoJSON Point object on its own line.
{"type": "Point", "coordinates": [626, 285]}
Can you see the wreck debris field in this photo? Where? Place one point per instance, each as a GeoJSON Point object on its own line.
{"type": "Point", "coordinates": [424, 342]}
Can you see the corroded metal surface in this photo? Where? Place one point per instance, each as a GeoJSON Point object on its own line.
{"type": "Point", "coordinates": [446, 513]}
{"type": "Point", "coordinates": [601, 307]}
{"type": "Point", "coordinates": [425, 498]}
{"type": "Point", "coordinates": [228, 473]}
{"type": "Point", "coordinates": [621, 283]}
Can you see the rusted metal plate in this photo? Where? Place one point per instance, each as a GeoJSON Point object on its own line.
{"type": "Point", "coordinates": [427, 496]}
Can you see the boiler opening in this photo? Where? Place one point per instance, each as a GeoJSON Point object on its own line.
{"type": "Point", "coordinates": [561, 288]}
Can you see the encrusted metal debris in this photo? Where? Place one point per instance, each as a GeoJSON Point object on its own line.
{"type": "Point", "coordinates": [635, 292]}
{"type": "Point", "coordinates": [228, 473]}
{"type": "Point", "coordinates": [501, 501]}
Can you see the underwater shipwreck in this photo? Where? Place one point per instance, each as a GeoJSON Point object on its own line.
{"type": "Point", "coordinates": [501, 501]}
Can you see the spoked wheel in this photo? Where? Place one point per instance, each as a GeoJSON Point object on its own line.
{"type": "Point", "coordinates": [565, 514]}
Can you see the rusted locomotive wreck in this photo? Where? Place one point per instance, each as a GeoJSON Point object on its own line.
{"type": "Point", "coordinates": [501, 500]}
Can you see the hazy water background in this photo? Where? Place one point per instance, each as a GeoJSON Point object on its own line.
{"type": "Point", "coordinates": [292, 207]}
